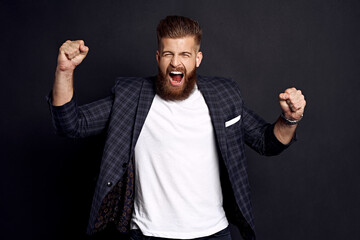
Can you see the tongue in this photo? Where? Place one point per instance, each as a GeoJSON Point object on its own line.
{"type": "Point", "coordinates": [176, 78]}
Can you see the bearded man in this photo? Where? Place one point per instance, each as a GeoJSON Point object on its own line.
{"type": "Point", "coordinates": [174, 163]}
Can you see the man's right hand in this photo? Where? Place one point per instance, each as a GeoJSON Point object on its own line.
{"type": "Point", "coordinates": [71, 54]}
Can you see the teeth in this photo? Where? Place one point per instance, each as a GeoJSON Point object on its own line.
{"type": "Point", "coordinates": [173, 72]}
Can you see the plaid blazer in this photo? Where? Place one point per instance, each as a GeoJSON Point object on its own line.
{"type": "Point", "coordinates": [122, 116]}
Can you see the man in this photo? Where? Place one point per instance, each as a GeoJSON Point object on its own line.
{"type": "Point", "coordinates": [174, 164]}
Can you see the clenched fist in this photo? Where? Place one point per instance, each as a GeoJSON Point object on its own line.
{"type": "Point", "coordinates": [71, 54]}
{"type": "Point", "coordinates": [292, 103]}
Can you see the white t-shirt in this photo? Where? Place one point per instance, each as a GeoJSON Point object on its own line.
{"type": "Point", "coordinates": [177, 181]}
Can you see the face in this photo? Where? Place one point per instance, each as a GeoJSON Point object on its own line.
{"type": "Point", "coordinates": [177, 60]}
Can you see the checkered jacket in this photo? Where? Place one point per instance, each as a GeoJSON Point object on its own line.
{"type": "Point", "coordinates": [122, 116]}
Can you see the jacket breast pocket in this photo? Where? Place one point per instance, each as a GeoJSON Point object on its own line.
{"type": "Point", "coordinates": [232, 121]}
{"type": "Point", "coordinates": [233, 125]}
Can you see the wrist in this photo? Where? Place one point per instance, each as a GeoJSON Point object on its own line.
{"type": "Point", "coordinates": [290, 121]}
{"type": "Point", "coordinates": [283, 131]}
{"type": "Point", "coordinates": [64, 71]}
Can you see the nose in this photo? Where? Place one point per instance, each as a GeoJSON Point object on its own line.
{"type": "Point", "coordinates": [175, 61]}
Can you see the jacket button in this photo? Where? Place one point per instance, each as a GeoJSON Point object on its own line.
{"type": "Point", "coordinates": [109, 184]}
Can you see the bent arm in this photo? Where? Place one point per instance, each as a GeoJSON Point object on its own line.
{"type": "Point", "coordinates": [260, 135]}
{"type": "Point", "coordinates": [271, 139]}
{"type": "Point", "coordinates": [69, 119]}
{"type": "Point", "coordinates": [76, 121]}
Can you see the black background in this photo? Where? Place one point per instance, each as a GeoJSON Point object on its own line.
{"type": "Point", "coordinates": [311, 191]}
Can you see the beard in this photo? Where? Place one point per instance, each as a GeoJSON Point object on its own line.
{"type": "Point", "coordinates": [168, 92]}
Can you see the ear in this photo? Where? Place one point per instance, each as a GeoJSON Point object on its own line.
{"type": "Point", "coordinates": [157, 56]}
{"type": "Point", "coordinates": [199, 57]}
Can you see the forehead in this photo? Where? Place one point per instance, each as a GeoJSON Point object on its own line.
{"type": "Point", "coordinates": [178, 44]}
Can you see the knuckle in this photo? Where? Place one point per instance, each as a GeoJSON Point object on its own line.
{"type": "Point", "coordinates": [290, 90]}
{"type": "Point", "coordinates": [74, 44]}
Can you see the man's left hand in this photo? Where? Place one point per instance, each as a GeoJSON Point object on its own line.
{"type": "Point", "coordinates": [292, 103]}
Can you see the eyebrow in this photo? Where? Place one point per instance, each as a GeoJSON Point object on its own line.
{"type": "Point", "coordinates": [167, 52]}
{"type": "Point", "coordinates": [185, 52]}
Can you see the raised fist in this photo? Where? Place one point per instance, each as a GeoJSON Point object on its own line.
{"type": "Point", "coordinates": [71, 54]}
{"type": "Point", "coordinates": [292, 103]}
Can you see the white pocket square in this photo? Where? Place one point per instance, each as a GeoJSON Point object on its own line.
{"type": "Point", "coordinates": [232, 121]}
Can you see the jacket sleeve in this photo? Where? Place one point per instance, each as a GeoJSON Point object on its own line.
{"type": "Point", "coordinates": [259, 134]}
{"type": "Point", "coordinates": [76, 121]}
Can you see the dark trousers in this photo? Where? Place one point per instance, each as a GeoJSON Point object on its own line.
{"type": "Point", "coordinates": [136, 234]}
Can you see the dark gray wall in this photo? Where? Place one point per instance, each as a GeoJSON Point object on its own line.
{"type": "Point", "coordinates": [311, 191]}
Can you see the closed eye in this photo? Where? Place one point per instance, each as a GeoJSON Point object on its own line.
{"type": "Point", "coordinates": [167, 54]}
{"type": "Point", "coordinates": [186, 54]}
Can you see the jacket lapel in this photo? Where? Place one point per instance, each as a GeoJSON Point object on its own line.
{"type": "Point", "coordinates": [208, 90]}
{"type": "Point", "coordinates": [146, 98]}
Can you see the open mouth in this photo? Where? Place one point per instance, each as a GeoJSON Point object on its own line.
{"type": "Point", "coordinates": [176, 78]}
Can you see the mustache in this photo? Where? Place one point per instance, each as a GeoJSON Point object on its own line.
{"type": "Point", "coordinates": [177, 69]}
